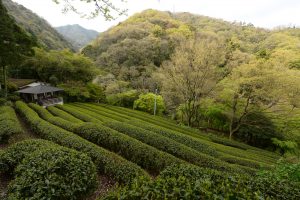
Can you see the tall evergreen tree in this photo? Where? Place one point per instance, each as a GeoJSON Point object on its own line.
{"type": "Point", "coordinates": [15, 43]}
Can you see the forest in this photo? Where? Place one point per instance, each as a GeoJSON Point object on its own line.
{"type": "Point", "coordinates": [161, 106]}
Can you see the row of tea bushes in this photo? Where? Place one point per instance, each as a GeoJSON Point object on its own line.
{"type": "Point", "coordinates": [106, 162]}
{"type": "Point", "coordinates": [178, 137]}
{"type": "Point", "coordinates": [98, 110]}
{"type": "Point", "coordinates": [9, 124]}
{"type": "Point", "coordinates": [45, 170]}
{"type": "Point", "coordinates": [142, 154]}
{"type": "Point", "coordinates": [91, 113]}
{"type": "Point", "coordinates": [80, 115]}
{"type": "Point", "coordinates": [170, 146]}
{"type": "Point", "coordinates": [62, 114]}
{"type": "Point", "coordinates": [44, 114]}
{"type": "Point", "coordinates": [189, 182]}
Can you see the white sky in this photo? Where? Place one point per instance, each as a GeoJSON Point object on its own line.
{"type": "Point", "coordinates": [262, 13]}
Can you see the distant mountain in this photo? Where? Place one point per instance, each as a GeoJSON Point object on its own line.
{"type": "Point", "coordinates": [46, 35]}
{"type": "Point", "coordinates": [77, 35]}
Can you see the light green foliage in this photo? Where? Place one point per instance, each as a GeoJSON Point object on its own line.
{"type": "Point", "coordinates": [146, 102]}
{"type": "Point", "coordinates": [124, 99]}
{"type": "Point", "coordinates": [9, 123]}
{"type": "Point", "coordinates": [285, 146]}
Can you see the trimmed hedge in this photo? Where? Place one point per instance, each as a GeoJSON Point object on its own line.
{"type": "Point", "coordinates": [9, 124]}
{"type": "Point", "coordinates": [62, 114]}
{"type": "Point", "coordinates": [80, 115]}
{"type": "Point", "coordinates": [170, 146]}
{"type": "Point", "coordinates": [243, 162]}
{"type": "Point", "coordinates": [98, 110]}
{"type": "Point", "coordinates": [54, 173]}
{"type": "Point", "coordinates": [142, 154]}
{"type": "Point", "coordinates": [44, 114]}
{"type": "Point", "coordinates": [189, 182]}
{"type": "Point", "coordinates": [178, 137]}
{"type": "Point", "coordinates": [13, 155]}
{"type": "Point", "coordinates": [107, 162]}
{"type": "Point", "coordinates": [91, 113]}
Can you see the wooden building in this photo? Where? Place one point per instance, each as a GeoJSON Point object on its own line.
{"type": "Point", "coordinates": [41, 93]}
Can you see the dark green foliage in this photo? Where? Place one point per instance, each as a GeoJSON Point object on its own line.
{"type": "Point", "coordinates": [62, 114]}
{"type": "Point", "coordinates": [80, 115]}
{"type": "Point", "coordinates": [106, 162]}
{"type": "Point", "coordinates": [189, 182]}
{"type": "Point", "coordinates": [46, 35]}
{"type": "Point", "coordinates": [228, 142]}
{"type": "Point", "coordinates": [13, 155]}
{"type": "Point", "coordinates": [146, 156]}
{"type": "Point", "coordinates": [178, 137]}
{"type": "Point", "coordinates": [44, 114]}
{"type": "Point", "coordinates": [57, 67]}
{"type": "Point", "coordinates": [170, 146]}
{"type": "Point", "coordinates": [82, 92]}
{"type": "Point", "coordinates": [9, 123]}
{"type": "Point", "coordinates": [54, 173]}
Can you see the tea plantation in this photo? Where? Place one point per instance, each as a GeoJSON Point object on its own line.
{"type": "Point", "coordinates": [98, 151]}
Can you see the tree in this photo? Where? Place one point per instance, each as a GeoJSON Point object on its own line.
{"type": "Point", "coordinates": [101, 7]}
{"type": "Point", "coordinates": [15, 43]}
{"type": "Point", "coordinates": [145, 103]}
{"type": "Point", "coordinates": [257, 87]}
{"type": "Point", "coordinates": [191, 74]}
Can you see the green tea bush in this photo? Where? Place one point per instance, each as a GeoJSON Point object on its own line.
{"type": "Point", "coordinates": [54, 173]}
{"type": "Point", "coordinates": [62, 114]}
{"type": "Point", "coordinates": [242, 161]}
{"type": "Point", "coordinates": [178, 137]}
{"type": "Point", "coordinates": [44, 114]}
{"type": "Point", "coordinates": [142, 154]}
{"type": "Point", "coordinates": [227, 142]}
{"type": "Point", "coordinates": [186, 182]}
{"type": "Point", "coordinates": [9, 123]}
{"type": "Point", "coordinates": [90, 112]}
{"type": "Point", "coordinates": [98, 111]}
{"type": "Point", "coordinates": [106, 162]}
{"type": "Point", "coordinates": [14, 154]}
{"type": "Point", "coordinates": [80, 115]}
{"type": "Point", "coordinates": [170, 146]}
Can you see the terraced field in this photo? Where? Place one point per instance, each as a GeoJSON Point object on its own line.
{"type": "Point", "coordinates": [125, 144]}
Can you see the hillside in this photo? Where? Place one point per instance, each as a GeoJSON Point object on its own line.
{"type": "Point", "coordinates": [47, 36]}
{"type": "Point", "coordinates": [77, 35]}
{"type": "Point", "coordinates": [125, 144]}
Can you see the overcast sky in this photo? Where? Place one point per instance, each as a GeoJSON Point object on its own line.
{"type": "Point", "coordinates": [262, 13]}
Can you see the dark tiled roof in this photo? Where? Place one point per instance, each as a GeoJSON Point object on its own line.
{"type": "Point", "coordinates": [40, 89]}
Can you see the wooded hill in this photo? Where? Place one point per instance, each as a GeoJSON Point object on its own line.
{"type": "Point", "coordinates": [77, 35]}
{"type": "Point", "coordinates": [46, 35]}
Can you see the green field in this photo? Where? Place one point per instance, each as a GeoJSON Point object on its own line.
{"type": "Point", "coordinates": [125, 144]}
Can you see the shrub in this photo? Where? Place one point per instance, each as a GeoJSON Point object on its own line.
{"type": "Point", "coordinates": [80, 115]}
{"type": "Point", "coordinates": [62, 114]}
{"type": "Point", "coordinates": [227, 142]}
{"type": "Point", "coordinates": [124, 99]}
{"type": "Point", "coordinates": [189, 182]}
{"type": "Point", "coordinates": [3, 101]}
{"type": "Point", "coordinates": [170, 146]}
{"type": "Point", "coordinates": [106, 162]}
{"type": "Point", "coordinates": [145, 103]}
{"type": "Point", "coordinates": [54, 173]}
{"type": "Point", "coordinates": [13, 155]}
{"type": "Point", "coordinates": [44, 114]}
{"type": "Point", "coordinates": [9, 123]}
{"type": "Point", "coordinates": [285, 146]}
{"type": "Point", "coordinates": [96, 110]}
{"type": "Point", "coordinates": [142, 154]}
{"type": "Point", "coordinates": [178, 137]}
